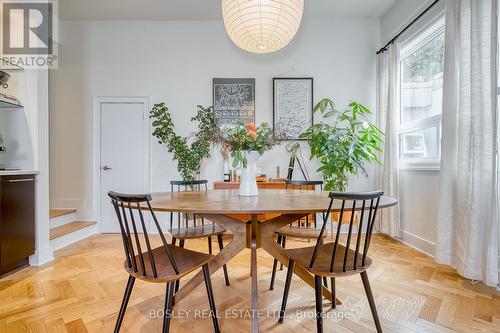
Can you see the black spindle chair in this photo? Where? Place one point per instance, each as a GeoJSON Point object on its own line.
{"type": "Point", "coordinates": [163, 264]}
{"type": "Point", "coordinates": [303, 229]}
{"type": "Point", "coordinates": [200, 228]}
{"type": "Point", "coordinates": [345, 256]}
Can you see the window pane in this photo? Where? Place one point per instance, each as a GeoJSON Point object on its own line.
{"type": "Point", "coordinates": [420, 143]}
{"type": "Point", "coordinates": [422, 81]}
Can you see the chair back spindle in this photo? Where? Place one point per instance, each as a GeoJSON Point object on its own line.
{"type": "Point", "coordinates": [128, 208]}
{"type": "Point", "coordinates": [303, 184]}
{"type": "Point", "coordinates": [366, 203]}
{"type": "Point", "coordinates": [306, 185]}
{"type": "Point", "coordinates": [187, 186]}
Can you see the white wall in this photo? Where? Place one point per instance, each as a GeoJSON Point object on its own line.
{"type": "Point", "coordinates": [175, 62]}
{"type": "Point", "coordinates": [419, 196]}
{"type": "Point", "coordinates": [400, 14]}
{"type": "Point", "coordinates": [419, 189]}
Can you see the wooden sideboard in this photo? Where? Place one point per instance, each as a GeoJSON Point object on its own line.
{"type": "Point", "coordinates": [278, 185]}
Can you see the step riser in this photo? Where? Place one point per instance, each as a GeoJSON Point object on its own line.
{"type": "Point", "coordinates": [53, 213]}
{"type": "Point", "coordinates": [75, 236]}
{"type": "Point", "coordinates": [62, 220]}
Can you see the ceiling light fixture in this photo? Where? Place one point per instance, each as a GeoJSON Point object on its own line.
{"type": "Point", "coordinates": [262, 26]}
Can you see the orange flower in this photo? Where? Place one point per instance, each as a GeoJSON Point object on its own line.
{"type": "Point", "coordinates": [253, 134]}
{"type": "Point", "coordinates": [251, 127]}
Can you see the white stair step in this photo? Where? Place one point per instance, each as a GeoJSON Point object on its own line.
{"type": "Point", "coordinates": [60, 220]}
{"type": "Point", "coordinates": [71, 232]}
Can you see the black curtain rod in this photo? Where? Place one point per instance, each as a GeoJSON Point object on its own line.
{"type": "Point", "coordinates": [383, 49]}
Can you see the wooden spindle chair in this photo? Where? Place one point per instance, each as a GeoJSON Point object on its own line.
{"type": "Point", "coordinates": [338, 258]}
{"type": "Point", "coordinates": [163, 264]}
{"type": "Point", "coordinates": [303, 228]}
{"type": "Point", "coordinates": [200, 228]}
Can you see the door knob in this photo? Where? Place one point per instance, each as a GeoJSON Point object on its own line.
{"type": "Point", "coordinates": [106, 168]}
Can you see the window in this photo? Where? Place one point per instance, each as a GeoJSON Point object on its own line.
{"type": "Point", "coordinates": [422, 63]}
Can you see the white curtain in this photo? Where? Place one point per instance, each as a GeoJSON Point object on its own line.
{"type": "Point", "coordinates": [467, 226]}
{"type": "Point", "coordinates": [388, 109]}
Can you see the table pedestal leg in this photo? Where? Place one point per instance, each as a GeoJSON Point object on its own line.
{"type": "Point", "coordinates": [269, 245]}
{"type": "Point", "coordinates": [236, 245]}
{"type": "Point", "coordinates": [253, 235]}
{"type": "Point", "coordinates": [253, 272]}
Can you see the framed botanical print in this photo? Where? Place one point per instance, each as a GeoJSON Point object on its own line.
{"type": "Point", "coordinates": [292, 107]}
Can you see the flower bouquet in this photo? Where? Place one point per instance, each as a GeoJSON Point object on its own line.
{"type": "Point", "coordinates": [247, 143]}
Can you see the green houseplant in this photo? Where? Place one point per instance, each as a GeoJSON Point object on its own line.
{"type": "Point", "coordinates": [344, 141]}
{"type": "Point", "coordinates": [188, 152]}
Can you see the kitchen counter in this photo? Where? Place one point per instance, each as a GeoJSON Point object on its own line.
{"type": "Point", "coordinates": [18, 172]}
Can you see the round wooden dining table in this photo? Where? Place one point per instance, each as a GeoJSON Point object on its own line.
{"type": "Point", "coordinates": [253, 222]}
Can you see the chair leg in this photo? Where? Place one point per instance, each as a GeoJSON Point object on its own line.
{"type": "Point", "coordinates": [369, 295]}
{"type": "Point", "coordinates": [275, 264]}
{"type": "Point", "coordinates": [211, 301]}
{"type": "Point", "coordinates": [318, 286]}
{"type": "Point", "coordinates": [178, 282]}
{"type": "Point", "coordinates": [334, 296]}
{"type": "Point", "coordinates": [283, 244]}
{"type": "Point", "coordinates": [174, 240]}
{"type": "Point", "coordinates": [273, 274]}
{"type": "Point", "coordinates": [289, 273]}
{"type": "Point", "coordinates": [224, 267]}
{"type": "Point", "coordinates": [209, 245]}
{"type": "Point", "coordinates": [177, 285]}
{"type": "Point", "coordinates": [325, 282]}
{"type": "Point", "coordinates": [169, 296]}
{"type": "Point", "coordinates": [126, 297]}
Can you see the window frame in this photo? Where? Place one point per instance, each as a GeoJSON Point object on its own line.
{"type": "Point", "coordinates": [407, 48]}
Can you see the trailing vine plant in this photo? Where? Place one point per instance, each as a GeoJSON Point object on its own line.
{"type": "Point", "coordinates": [188, 152]}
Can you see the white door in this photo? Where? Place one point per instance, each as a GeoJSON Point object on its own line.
{"type": "Point", "coordinates": [124, 151]}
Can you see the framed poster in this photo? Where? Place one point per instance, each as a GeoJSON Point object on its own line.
{"type": "Point", "coordinates": [233, 99]}
{"type": "Point", "coordinates": [292, 107]}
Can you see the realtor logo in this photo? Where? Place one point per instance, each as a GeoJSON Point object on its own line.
{"type": "Point", "coordinates": [27, 33]}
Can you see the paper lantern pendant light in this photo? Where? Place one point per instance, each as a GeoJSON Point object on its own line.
{"type": "Point", "coordinates": [262, 26]}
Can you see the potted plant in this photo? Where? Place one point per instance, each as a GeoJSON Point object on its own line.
{"type": "Point", "coordinates": [188, 152]}
{"type": "Point", "coordinates": [247, 143]}
{"type": "Point", "coordinates": [343, 142]}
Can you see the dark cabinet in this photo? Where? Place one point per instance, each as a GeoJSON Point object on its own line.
{"type": "Point", "coordinates": [17, 221]}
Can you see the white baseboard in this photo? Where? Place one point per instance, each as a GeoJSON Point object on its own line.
{"type": "Point", "coordinates": [418, 243]}
{"type": "Point", "coordinates": [73, 237]}
{"type": "Point", "coordinates": [42, 256]}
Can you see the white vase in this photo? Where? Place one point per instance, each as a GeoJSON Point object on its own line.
{"type": "Point", "coordinates": [248, 181]}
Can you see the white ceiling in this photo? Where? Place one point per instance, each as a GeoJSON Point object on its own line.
{"type": "Point", "coordinates": [180, 10]}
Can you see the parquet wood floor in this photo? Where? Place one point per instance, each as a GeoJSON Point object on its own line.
{"type": "Point", "coordinates": [82, 289]}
